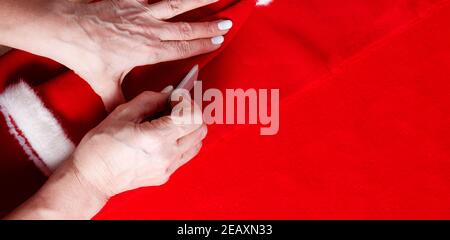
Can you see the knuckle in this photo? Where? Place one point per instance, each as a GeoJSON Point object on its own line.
{"type": "Point", "coordinates": [163, 123]}
{"type": "Point", "coordinates": [115, 3]}
{"type": "Point", "coordinates": [166, 121]}
{"type": "Point", "coordinates": [146, 126]}
{"type": "Point", "coordinates": [185, 30]}
{"type": "Point", "coordinates": [206, 45]}
{"type": "Point", "coordinates": [211, 28]}
{"type": "Point", "coordinates": [174, 5]}
{"type": "Point", "coordinates": [184, 48]}
{"type": "Point", "coordinates": [121, 110]}
{"type": "Point", "coordinates": [166, 128]}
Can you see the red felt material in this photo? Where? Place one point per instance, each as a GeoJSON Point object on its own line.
{"type": "Point", "coordinates": [365, 116]}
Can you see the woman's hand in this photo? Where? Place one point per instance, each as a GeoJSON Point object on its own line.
{"type": "Point", "coordinates": [127, 152]}
{"type": "Point", "coordinates": [103, 41]}
{"type": "Point", "coordinates": [124, 152]}
{"type": "Point", "coordinates": [118, 35]}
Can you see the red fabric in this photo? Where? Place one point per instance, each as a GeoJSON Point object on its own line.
{"type": "Point", "coordinates": [364, 116]}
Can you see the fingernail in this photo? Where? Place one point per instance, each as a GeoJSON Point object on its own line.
{"type": "Point", "coordinates": [225, 25]}
{"type": "Point", "coordinates": [168, 89]}
{"type": "Point", "coordinates": [217, 40]}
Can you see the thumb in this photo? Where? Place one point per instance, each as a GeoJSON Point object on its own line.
{"type": "Point", "coordinates": [143, 106]}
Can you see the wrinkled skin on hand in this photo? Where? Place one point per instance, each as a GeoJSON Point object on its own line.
{"type": "Point", "coordinates": [114, 36]}
{"type": "Point", "coordinates": [126, 152]}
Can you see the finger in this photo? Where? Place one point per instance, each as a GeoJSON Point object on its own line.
{"type": "Point", "coordinates": [186, 115]}
{"type": "Point", "coordinates": [143, 106]}
{"type": "Point", "coordinates": [176, 50]}
{"type": "Point", "coordinates": [194, 138]}
{"type": "Point", "coordinates": [167, 9]}
{"type": "Point", "coordinates": [185, 110]}
{"type": "Point", "coordinates": [186, 118]}
{"type": "Point", "coordinates": [191, 31]}
{"type": "Point", "coordinates": [185, 158]}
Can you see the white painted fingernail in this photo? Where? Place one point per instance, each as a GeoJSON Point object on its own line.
{"type": "Point", "coordinates": [168, 89]}
{"type": "Point", "coordinates": [225, 25]}
{"type": "Point", "coordinates": [217, 40]}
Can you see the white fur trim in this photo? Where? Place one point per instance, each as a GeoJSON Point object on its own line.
{"type": "Point", "coordinates": [23, 143]}
{"type": "Point", "coordinates": [263, 2]}
{"type": "Point", "coordinates": [37, 125]}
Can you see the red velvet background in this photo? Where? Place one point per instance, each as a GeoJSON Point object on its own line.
{"type": "Point", "coordinates": [365, 115]}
